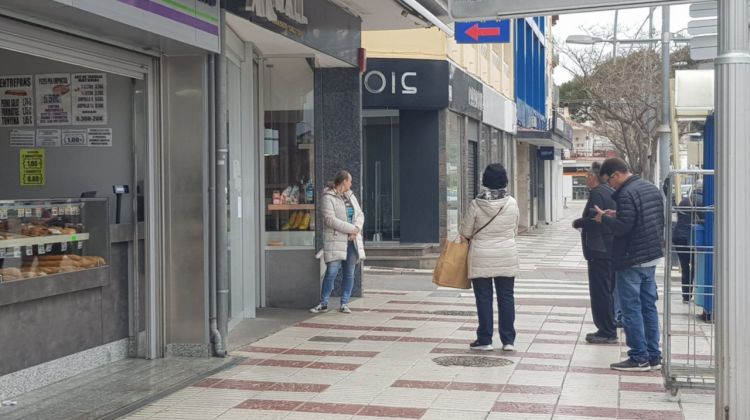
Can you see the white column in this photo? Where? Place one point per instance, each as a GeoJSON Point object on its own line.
{"type": "Point", "coordinates": [732, 206]}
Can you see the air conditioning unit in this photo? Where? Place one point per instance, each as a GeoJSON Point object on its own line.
{"type": "Point", "coordinates": [533, 121]}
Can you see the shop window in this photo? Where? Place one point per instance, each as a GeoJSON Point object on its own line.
{"type": "Point", "coordinates": [453, 141]}
{"type": "Point", "coordinates": [289, 149]}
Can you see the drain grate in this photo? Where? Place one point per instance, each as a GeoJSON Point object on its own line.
{"type": "Point", "coordinates": [472, 361]}
{"type": "Point", "coordinates": [455, 313]}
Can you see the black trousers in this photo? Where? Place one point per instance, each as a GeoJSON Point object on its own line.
{"type": "Point", "coordinates": [506, 310]}
{"type": "Point", "coordinates": [601, 289]}
{"type": "Point", "coordinates": [686, 266]}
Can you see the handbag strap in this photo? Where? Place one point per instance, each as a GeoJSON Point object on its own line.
{"type": "Point", "coordinates": [488, 223]}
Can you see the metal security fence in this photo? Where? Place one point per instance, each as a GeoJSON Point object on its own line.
{"type": "Point", "coordinates": [689, 333]}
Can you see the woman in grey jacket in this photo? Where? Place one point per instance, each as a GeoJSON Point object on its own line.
{"type": "Point", "coordinates": [491, 223]}
{"type": "Point", "coordinates": [343, 243]}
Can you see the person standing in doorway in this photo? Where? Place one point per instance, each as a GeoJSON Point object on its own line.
{"type": "Point", "coordinates": [638, 227]}
{"type": "Point", "coordinates": [343, 245]}
{"type": "Point", "coordinates": [491, 224]}
{"type": "Point", "coordinates": [682, 236]}
{"type": "Point", "coordinates": [596, 240]}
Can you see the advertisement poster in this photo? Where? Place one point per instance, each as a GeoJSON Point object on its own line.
{"type": "Point", "coordinates": [46, 137]}
{"type": "Point", "coordinates": [32, 167]}
{"type": "Point", "coordinates": [16, 101]}
{"type": "Point", "coordinates": [22, 138]}
{"type": "Point", "coordinates": [89, 98]}
{"type": "Point", "coordinates": [100, 137]}
{"type": "Point", "coordinates": [53, 99]}
{"type": "Point", "coordinates": [75, 138]}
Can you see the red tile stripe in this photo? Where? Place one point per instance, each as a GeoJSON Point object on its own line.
{"type": "Point", "coordinates": [579, 411]}
{"type": "Point", "coordinates": [260, 385]}
{"type": "Point", "coordinates": [352, 327]}
{"type": "Point", "coordinates": [388, 293]}
{"type": "Point", "coordinates": [332, 408]}
{"type": "Point", "coordinates": [631, 414]}
{"type": "Point", "coordinates": [475, 386]}
{"type": "Point", "coordinates": [528, 408]}
{"type": "Point", "coordinates": [306, 352]}
{"type": "Point", "coordinates": [641, 387]}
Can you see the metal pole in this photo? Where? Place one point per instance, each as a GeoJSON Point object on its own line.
{"type": "Point", "coordinates": [733, 225]}
{"type": "Point", "coordinates": [664, 129]}
{"type": "Point", "coordinates": [221, 155]}
{"type": "Point", "coordinates": [614, 37]}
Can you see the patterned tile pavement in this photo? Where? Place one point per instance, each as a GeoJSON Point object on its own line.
{"type": "Point", "coordinates": [378, 361]}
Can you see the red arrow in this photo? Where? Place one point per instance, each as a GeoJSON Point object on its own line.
{"type": "Point", "coordinates": [475, 32]}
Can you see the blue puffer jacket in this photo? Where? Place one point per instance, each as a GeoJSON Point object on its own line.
{"type": "Point", "coordinates": [639, 224]}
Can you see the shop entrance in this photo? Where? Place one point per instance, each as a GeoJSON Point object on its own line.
{"type": "Point", "coordinates": [243, 179]}
{"type": "Point", "coordinates": [89, 116]}
{"type": "Point", "coordinates": [381, 176]}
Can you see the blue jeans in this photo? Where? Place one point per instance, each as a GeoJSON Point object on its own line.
{"type": "Point", "coordinates": [505, 308]}
{"type": "Point", "coordinates": [332, 271]}
{"type": "Point", "coordinates": [637, 289]}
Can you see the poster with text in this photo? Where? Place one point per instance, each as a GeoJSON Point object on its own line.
{"type": "Point", "coordinates": [31, 166]}
{"type": "Point", "coordinates": [46, 137]}
{"type": "Point", "coordinates": [89, 98]}
{"type": "Point", "coordinates": [22, 138]}
{"type": "Point", "coordinates": [53, 99]}
{"type": "Point", "coordinates": [99, 137]}
{"type": "Point", "coordinates": [16, 101]}
{"type": "Point", "coordinates": [75, 137]}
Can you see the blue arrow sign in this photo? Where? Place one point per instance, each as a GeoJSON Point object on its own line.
{"type": "Point", "coordinates": [493, 31]}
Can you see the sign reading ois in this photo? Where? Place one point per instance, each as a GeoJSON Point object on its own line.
{"type": "Point", "coordinates": [405, 84]}
{"type": "Point", "coordinates": [492, 9]}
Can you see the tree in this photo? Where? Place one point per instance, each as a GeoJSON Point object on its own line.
{"type": "Point", "coordinates": [621, 96]}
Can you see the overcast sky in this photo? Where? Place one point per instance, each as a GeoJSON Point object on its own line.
{"type": "Point", "coordinates": [629, 20]}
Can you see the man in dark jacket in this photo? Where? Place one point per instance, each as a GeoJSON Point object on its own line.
{"type": "Point", "coordinates": [638, 226]}
{"type": "Point", "coordinates": [596, 239]}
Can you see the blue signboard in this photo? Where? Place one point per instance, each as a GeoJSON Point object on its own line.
{"type": "Point", "coordinates": [545, 153]}
{"type": "Point", "coordinates": [492, 31]}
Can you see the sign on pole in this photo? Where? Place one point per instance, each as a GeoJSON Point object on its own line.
{"type": "Point", "coordinates": [463, 10]}
{"type": "Point", "coordinates": [491, 31]}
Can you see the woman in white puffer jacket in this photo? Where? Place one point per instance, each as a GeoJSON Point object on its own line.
{"type": "Point", "coordinates": [491, 223]}
{"type": "Point", "coordinates": [343, 247]}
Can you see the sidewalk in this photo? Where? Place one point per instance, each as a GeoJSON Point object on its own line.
{"type": "Point", "coordinates": [385, 359]}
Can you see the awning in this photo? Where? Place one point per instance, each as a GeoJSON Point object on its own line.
{"type": "Point", "coordinates": [544, 138]}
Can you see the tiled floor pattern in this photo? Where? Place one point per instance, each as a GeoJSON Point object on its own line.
{"type": "Point", "coordinates": [377, 363]}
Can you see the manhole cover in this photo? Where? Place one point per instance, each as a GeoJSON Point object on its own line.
{"type": "Point", "coordinates": [472, 361]}
{"type": "Point", "coordinates": [455, 313]}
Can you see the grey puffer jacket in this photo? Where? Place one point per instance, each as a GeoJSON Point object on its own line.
{"type": "Point", "coordinates": [337, 227]}
{"type": "Point", "coordinates": [492, 252]}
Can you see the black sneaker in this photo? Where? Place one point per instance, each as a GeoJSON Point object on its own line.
{"type": "Point", "coordinates": [655, 364]}
{"type": "Point", "coordinates": [600, 339]}
{"type": "Point", "coordinates": [478, 346]}
{"type": "Point", "coordinates": [631, 365]}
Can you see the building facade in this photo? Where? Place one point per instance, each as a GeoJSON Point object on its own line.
{"type": "Point", "coordinates": [435, 114]}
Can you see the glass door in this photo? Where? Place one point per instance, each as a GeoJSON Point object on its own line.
{"type": "Point", "coordinates": [381, 177]}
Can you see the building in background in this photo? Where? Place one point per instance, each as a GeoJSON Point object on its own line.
{"type": "Point", "coordinates": [543, 131]}
{"type": "Point", "coordinates": [435, 113]}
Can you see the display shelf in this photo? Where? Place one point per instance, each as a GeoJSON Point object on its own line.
{"type": "Point", "coordinates": [20, 240]}
{"type": "Point", "coordinates": [290, 207]}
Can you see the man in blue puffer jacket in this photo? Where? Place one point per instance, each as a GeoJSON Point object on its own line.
{"type": "Point", "coordinates": [638, 227]}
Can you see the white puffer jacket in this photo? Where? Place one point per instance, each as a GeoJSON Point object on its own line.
{"type": "Point", "coordinates": [492, 252]}
{"type": "Point", "coordinates": [337, 227]}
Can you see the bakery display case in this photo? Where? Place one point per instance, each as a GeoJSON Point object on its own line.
{"type": "Point", "coordinates": [47, 237]}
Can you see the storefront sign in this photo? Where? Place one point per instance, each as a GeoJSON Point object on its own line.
{"type": "Point", "coordinates": [89, 98]}
{"type": "Point", "coordinates": [46, 137]}
{"type": "Point", "coordinates": [405, 84]}
{"type": "Point", "coordinates": [100, 137]}
{"type": "Point", "coordinates": [545, 153]}
{"type": "Point", "coordinates": [31, 167]}
{"type": "Point", "coordinates": [16, 101]}
{"type": "Point", "coordinates": [319, 24]}
{"type": "Point", "coordinates": [53, 99]}
{"type": "Point", "coordinates": [192, 22]}
{"type": "Point", "coordinates": [75, 138]}
{"type": "Point", "coordinates": [466, 94]}
{"type": "Point", "coordinates": [22, 138]}
{"type": "Point", "coordinates": [499, 111]}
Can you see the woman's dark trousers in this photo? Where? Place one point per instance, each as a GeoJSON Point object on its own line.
{"type": "Point", "coordinates": [506, 308]}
